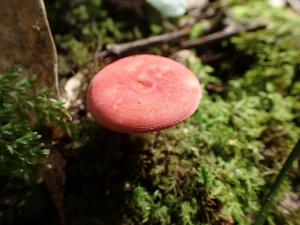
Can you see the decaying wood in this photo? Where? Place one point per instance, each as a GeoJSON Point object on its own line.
{"type": "Point", "coordinates": [26, 40]}
{"type": "Point", "coordinates": [119, 49]}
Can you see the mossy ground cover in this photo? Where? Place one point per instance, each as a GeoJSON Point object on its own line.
{"type": "Point", "coordinates": [215, 168]}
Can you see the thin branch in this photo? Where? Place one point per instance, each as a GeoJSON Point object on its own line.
{"type": "Point", "coordinates": [220, 35]}
{"type": "Point", "coordinates": [119, 49]}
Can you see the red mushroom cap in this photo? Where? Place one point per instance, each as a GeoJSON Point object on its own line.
{"type": "Point", "coordinates": [143, 93]}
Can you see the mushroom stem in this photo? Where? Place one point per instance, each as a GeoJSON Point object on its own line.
{"type": "Point", "coordinates": [269, 201]}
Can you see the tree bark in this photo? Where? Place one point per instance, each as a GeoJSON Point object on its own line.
{"type": "Point", "coordinates": [26, 40]}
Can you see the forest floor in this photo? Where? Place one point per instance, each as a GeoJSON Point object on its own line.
{"type": "Point", "coordinates": [215, 168]}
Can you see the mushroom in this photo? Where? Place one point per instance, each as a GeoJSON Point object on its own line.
{"type": "Point", "coordinates": [143, 93]}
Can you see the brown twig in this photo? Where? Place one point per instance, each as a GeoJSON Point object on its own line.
{"type": "Point", "coordinates": [220, 35]}
{"type": "Point", "coordinates": [119, 49]}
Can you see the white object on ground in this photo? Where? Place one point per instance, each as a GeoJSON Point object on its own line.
{"type": "Point", "coordinates": [277, 3]}
{"type": "Point", "coordinates": [170, 8]}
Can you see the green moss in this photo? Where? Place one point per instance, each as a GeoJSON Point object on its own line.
{"type": "Point", "coordinates": [27, 116]}
{"type": "Point", "coordinates": [276, 49]}
{"type": "Point", "coordinates": [22, 111]}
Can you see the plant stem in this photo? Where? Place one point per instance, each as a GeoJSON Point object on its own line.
{"type": "Point", "coordinates": [295, 153]}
